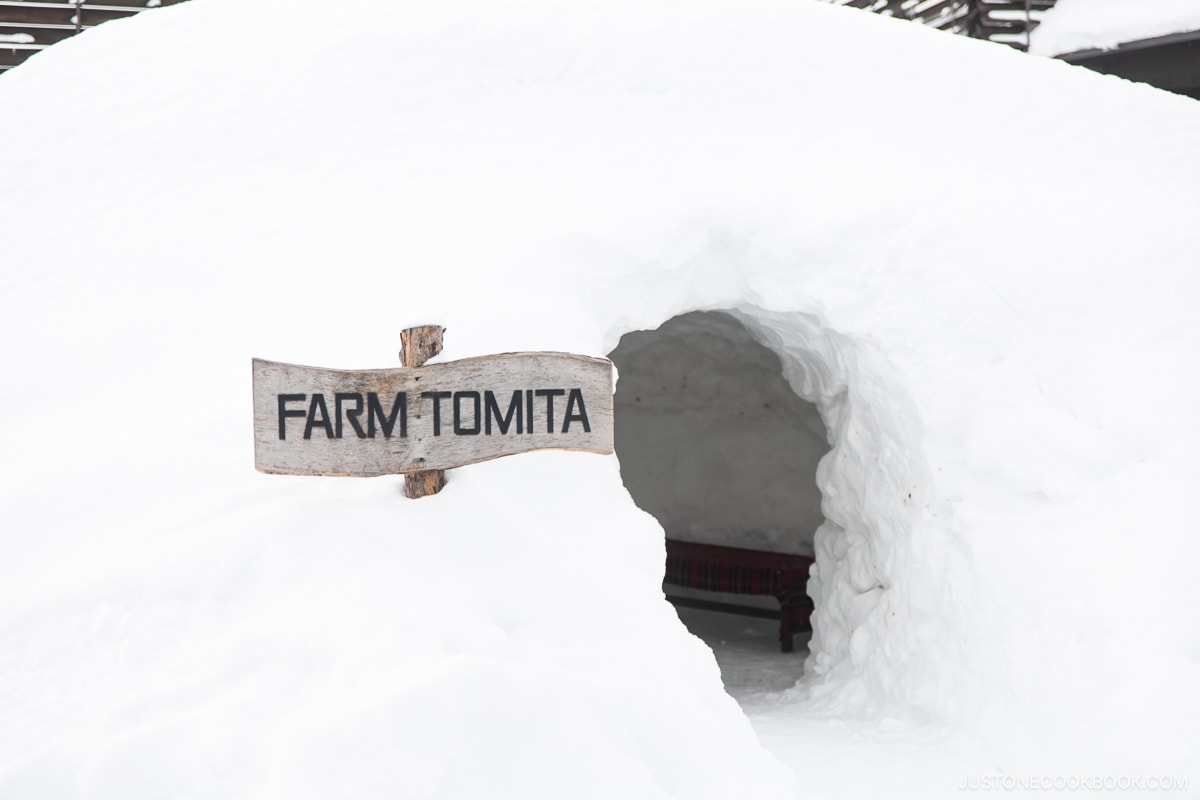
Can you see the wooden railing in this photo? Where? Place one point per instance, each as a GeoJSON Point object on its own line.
{"type": "Point", "coordinates": [1006, 21]}
{"type": "Point", "coordinates": [29, 27]}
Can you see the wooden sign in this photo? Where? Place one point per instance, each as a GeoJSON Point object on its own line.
{"type": "Point", "coordinates": [313, 421]}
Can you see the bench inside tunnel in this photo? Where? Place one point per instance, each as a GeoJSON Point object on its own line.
{"type": "Point", "coordinates": [716, 444]}
{"type": "Point", "coordinates": [733, 570]}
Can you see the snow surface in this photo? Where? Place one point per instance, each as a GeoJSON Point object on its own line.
{"type": "Point", "coordinates": [713, 442]}
{"type": "Point", "coordinates": [994, 313]}
{"type": "Point", "coordinates": [1074, 25]}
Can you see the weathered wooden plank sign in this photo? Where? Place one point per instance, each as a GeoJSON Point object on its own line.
{"type": "Point", "coordinates": [313, 421]}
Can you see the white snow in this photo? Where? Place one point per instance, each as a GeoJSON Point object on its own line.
{"type": "Point", "coordinates": [713, 442]}
{"type": "Point", "coordinates": [1074, 25]}
{"type": "Point", "coordinates": [978, 266]}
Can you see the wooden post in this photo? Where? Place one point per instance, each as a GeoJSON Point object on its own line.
{"type": "Point", "coordinates": [418, 345]}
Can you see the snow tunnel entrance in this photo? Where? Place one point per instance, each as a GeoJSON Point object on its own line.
{"type": "Point", "coordinates": [716, 445]}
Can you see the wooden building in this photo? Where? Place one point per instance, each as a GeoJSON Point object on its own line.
{"type": "Point", "coordinates": [28, 27]}
{"type": "Point", "coordinates": [1168, 62]}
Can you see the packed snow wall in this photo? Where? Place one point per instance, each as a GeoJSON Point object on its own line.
{"type": "Point", "coordinates": [713, 441]}
{"type": "Point", "coordinates": [885, 563]}
{"type": "Point", "coordinates": [721, 429]}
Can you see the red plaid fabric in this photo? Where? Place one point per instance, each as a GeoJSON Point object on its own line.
{"type": "Point", "coordinates": [735, 570]}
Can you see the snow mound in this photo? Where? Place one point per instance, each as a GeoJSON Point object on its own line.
{"type": "Point", "coordinates": [977, 266]}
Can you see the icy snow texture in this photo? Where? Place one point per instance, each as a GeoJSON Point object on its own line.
{"type": "Point", "coordinates": [1074, 25]}
{"type": "Point", "coordinates": [977, 265]}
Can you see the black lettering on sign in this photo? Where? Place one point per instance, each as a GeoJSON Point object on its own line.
{"type": "Point", "coordinates": [386, 422]}
{"type": "Point", "coordinates": [492, 409]}
{"type": "Point", "coordinates": [318, 404]}
{"type": "Point", "coordinates": [437, 398]}
{"type": "Point", "coordinates": [550, 394]}
{"type": "Point", "coordinates": [576, 399]}
{"type": "Point", "coordinates": [351, 413]}
{"type": "Point", "coordinates": [459, 428]}
{"type": "Point", "coordinates": [284, 413]}
{"type": "Point", "coordinates": [473, 413]}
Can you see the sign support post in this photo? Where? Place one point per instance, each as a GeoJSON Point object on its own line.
{"type": "Point", "coordinates": [418, 345]}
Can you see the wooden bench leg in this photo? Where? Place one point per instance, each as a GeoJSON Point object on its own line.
{"type": "Point", "coordinates": [792, 618]}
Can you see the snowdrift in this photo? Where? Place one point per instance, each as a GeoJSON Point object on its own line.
{"type": "Point", "coordinates": [978, 266]}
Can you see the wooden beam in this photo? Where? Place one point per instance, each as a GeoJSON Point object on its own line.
{"type": "Point", "coordinates": [1015, 5]}
{"type": "Point", "coordinates": [724, 608]}
{"type": "Point", "coordinates": [34, 13]}
{"type": "Point", "coordinates": [12, 55]}
{"type": "Point", "coordinates": [41, 34]}
{"type": "Point", "coordinates": [418, 345]}
{"type": "Point", "coordinates": [60, 13]}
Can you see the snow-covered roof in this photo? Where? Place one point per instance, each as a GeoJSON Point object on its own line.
{"type": "Point", "coordinates": [979, 266]}
{"type": "Point", "coordinates": [1077, 25]}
